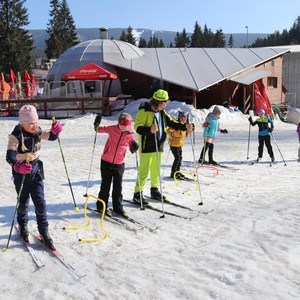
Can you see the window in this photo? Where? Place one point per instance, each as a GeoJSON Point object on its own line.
{"type": "Point", "coordinates": [272, 82]}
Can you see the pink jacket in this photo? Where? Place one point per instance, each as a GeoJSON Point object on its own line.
{"type": "Point", "coordinates": [116, 144]}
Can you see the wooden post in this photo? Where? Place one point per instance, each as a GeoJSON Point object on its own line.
{"type": "Point", "coordinates": [195, 99]}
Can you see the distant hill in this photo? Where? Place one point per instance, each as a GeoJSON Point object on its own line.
{"type": "Point", "coordinates": [85, 34]}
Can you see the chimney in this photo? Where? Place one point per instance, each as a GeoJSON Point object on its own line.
{"type": "Point", "coordinates": [103, 33]}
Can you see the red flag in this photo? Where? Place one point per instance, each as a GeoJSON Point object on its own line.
{"type": "Point", "coordinates": [26, 76]}
{"type": "Point", "coordinates": [261, 98]}
{"type": "Point", "coordinates": [2, 80]}
{"type": "Point", "coordinates": [27, 86]}
{"type": "Point", "coordinates": [34, 86]}
{"type": "Point", "coordinates": [32, 80]}
{"type": "Point", "coordinates": [12, 78]}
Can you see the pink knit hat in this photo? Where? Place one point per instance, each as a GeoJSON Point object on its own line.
{"type": "Point", "coordinates": [28, 114]}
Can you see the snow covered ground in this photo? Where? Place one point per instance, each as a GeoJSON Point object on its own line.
{"type": "Point", "coordinates": [246, 248]}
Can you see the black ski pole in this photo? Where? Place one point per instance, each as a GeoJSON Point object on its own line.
{"type": "Point", "coordinates": [249, 133]}
{"type": "Point", "coordinates": [16, 209]}
{"type": "Point", "coordinates": [65, 165]}
{"type": "Point", "coordinates": [167, 156]}
{"type": "Point", "coordinates": [204, 147]}
{"type": "Point", "coordinates": [139, 180]}
{"type": "Point", "coordinates": [248, 141]}
{"type": "Point", "coordinates": [96, 125]}
{"type": "Point", "coordinates": [158, 167]}
{"type": "Point", "coordinates": [195, 167]}
{"type": "Point", "coordinates": [278, 148]}
{"type": "Point", "coordinates": [88, 181]}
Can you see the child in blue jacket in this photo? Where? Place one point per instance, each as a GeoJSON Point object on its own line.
{"type": "Point", "coordinates": [211, 127]}
{"type": "Point", "coordinates": [263, 133]}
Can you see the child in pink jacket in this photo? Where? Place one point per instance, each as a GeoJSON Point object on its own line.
{"type": "Point", "coordinates": [112, 167]}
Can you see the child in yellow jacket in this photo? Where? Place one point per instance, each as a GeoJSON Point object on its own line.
{"type": "Point", "coordinates": [176, 142]}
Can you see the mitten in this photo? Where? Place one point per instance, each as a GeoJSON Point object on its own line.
{"type": "Point", "coordinates": [134, 146]}
{"type": "Point", "coordinates": [225, 131]}
{"type": "Point", "coordinates": [56, 128]}
{"type": "Point", "coordinates": [190, 127]}
{"type": "Point", "coordinates": [270, 129]}
{"type": "Point", "coordinates": [22, 167]}
{"type": "Point", "coordinates": [97, 122]}
{"type": "Point", "coordinates": [250, 119]}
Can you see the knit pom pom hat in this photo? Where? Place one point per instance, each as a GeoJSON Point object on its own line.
{"type": "Point", "coordinates": [216, 110]}
{"type": "Point", "coordinates": [182, 114]}
{"type": "Point", "coordinates": [28, 114]}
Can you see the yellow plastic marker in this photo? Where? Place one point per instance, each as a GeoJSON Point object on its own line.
{"type": "Point", "coordinates": [89, 222]}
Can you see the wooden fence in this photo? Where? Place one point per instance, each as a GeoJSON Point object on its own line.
{"type": "Point", "coordinates": [65, 107]}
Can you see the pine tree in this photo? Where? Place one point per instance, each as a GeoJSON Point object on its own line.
{"type": "Point", "coordinates": [150, 43]}
{"type": "Point", "coordinates": [68, 28]}
{"type": "Point", "coordinates": [123, 36]}
{"type": "Point", "coordinates": [142, 43]}
{"type": "Point", "coordinates": [208, 37]}
{"type": "Point", "coordinates": [61, 29]}
{"type": "Point", "coordinates": [15, 42]}
{"type": "Point", "coordinates": [130, 38]}
{"type": "Point", "coordinates": [219, 39]}
{"type": "Point", "coordinates": [230, 42]}
{"type": "Point", "coordinates": [52, 30]}
{"type": "Point", "coordinates": [161, 44]}
{"type": "Point", "coordinates": [182, 39]}
{"type": "Point", "coordinates": [197, 37]}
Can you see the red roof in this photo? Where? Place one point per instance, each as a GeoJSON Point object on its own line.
{"type": "Point", "coordinates": [90, 72]}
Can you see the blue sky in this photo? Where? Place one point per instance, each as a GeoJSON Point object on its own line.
{"type": "Point", "coordinates": [261, 16]}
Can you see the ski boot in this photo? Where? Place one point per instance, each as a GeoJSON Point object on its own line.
{"type": "Point", "coordinates": [47, 240]}
{"type": "Point", "coordinates": [137, 198]}
{"type": "Point", "coordinates": [122, 213]}
{"type": "Point", "coordinates": [24, 233]}
{"type": "Point", "coordinates": [155, 194]}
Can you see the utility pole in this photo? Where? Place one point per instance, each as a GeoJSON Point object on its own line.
{"type": "Point", "coordinates": [247, 36]}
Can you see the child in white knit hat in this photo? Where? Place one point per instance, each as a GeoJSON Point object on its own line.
{"type": "Point", "coordinates": [211, 127]}
{"type": "Point", "coordinates": [23, 151]}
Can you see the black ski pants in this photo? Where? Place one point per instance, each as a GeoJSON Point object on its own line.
{"type": "Point", "coordinates": [266, 139]}
{"type": "Point", "coordinates": [33, 186]}
{"type": "Point", "coordinates": [111, 173]}
{"type": "Point", "coordinates": [177, 152]}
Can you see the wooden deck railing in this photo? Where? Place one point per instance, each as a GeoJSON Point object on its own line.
{"type": "Point", "coordinates": [65, 106]}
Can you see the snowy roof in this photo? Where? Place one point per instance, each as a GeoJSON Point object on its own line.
{"type": "Point", "coordinates": [193, 68]}
{"type": "Point", "coordinates": [196, 68]}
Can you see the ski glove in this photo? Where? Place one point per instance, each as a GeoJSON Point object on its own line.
{"type": "Point", "coordinates": [270, 129]}
{"type": "Point", "coordinates": [250, 119]}
{"type": "Point", "coordinates": [224, 131]}
{"type": "Point", "coordinates": [97, 122]}
{"type": "Point", "coordinates": [134, 146]}
{"type": "Point", "coordinates": [22, 167]}
{"type": "Point", "coordinates": [56, 128]}
{"type": "Point", "coordinates": [190, 127]}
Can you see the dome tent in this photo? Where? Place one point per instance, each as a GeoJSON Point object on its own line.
{"type": "Point", "coordinates": [93, 51]}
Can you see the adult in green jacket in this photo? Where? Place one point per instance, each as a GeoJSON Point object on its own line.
{"type": "Point", "coordinates": [151, 124]}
